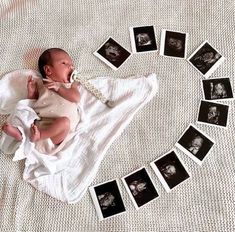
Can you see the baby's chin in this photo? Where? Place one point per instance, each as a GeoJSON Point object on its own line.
{"type": "Point", "coordinates": [66, 79]}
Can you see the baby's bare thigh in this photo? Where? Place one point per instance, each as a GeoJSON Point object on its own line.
{"type": "Point", "coordinates": [44, 123]}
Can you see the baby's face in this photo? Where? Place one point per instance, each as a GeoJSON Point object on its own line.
{"type": "Point", "coordinates": [61, 67]}
{"type": "Point", "coordinates": [106, 199]}
{"type": "Point", "coordinates": [141, 186]}
{"type": "Point", "coordinates": [143, 39]}
{"type": "Point", "coordinates": [219, 89]}
{"type": "Point", "coordinates": [175, 44]}
{"type": "Point", "coordinates": [213, 112]}
{"type": "Point", "coordinates": [197, 142]}
{"type": "Point", "coordinates": [208, 56]}
{"type": "Point", "coordinates": [112, 52]}
{"type": "Point", "coordinates": [169, 171]}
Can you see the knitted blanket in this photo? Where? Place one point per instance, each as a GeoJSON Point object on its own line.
{"type": "Point", "coordinates": [205, 202]}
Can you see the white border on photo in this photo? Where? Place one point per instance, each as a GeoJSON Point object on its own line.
{"type": "Point", "coordinates": [219, 99]}
{"type": "Point", "coordinates": [105, 60]}
{"type": "Point", "coordinates": [96, 201]}
{"type": "Point", "coordinates": [132, 37]}
{"type": "Point", "coordinates": [129, 191]}
{"type": "Point", "coordinates": [162, 43]}
{"type": "Point", "coordinates": [159, 175]}
{"type": "Point", "coordinates": [211, 124]}
{"type": "Point", "coordinates": [214, 67]}
{"type": "Point", "coordinates": [188, 153]}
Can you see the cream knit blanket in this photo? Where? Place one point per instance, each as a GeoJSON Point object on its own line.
{"type": "Point", "coordinates": [206, 201]}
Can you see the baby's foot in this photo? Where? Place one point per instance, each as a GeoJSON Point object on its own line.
{"type": "Point", "coordinates": [12, 131]}
{"type": "Point", "coordinates": [34, 133]}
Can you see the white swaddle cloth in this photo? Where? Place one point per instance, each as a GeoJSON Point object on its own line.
{"type": "Point", "coordinates": [67, 174]}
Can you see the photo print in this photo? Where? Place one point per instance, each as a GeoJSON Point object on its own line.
{"type": "Point", "coordinates": [195, 144]}
{"type": "Point", "coordinates": [170, 170]}
{"type": "Point", "coordinates": [206, 59]}
{"type": "Point", "coordinates": [217, 89]}
{"type": "Point", "coordinates": [213, 113]}
{"type": "Point", "coordinates": [112, 53]}
{"type": "Point", "coordinates": [107, 199]}
{"type": "Point", "coordinates": [140, 187]}
{"type": "Point", "coordinates": [143, 39]}
{"type": "Point", "coordinates": [173, 44]}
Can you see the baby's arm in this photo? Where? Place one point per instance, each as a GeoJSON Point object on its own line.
{"type": "Point", "coordinates": [32, 88]}
{"type": "Point", "coordinates": [71, 94]}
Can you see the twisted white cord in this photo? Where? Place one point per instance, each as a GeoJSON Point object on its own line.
{"type": "Point", "coordinates": [75, 76]}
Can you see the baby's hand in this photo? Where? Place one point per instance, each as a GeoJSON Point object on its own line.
{"type": "Point", "coordinates": [52, 85]}
{"type": "Point", "coordinates": [31, 82]}
{"type": "Point", "coordinates": [32, 88]}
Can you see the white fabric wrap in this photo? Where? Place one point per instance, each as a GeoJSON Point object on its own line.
{"type": "Point", "coordinates": [67, 174]}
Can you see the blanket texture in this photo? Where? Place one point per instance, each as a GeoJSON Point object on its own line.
{"type": "Point", "coordinates": [206, 201]}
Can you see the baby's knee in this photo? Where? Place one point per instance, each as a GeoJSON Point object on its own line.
{"type": "Point", "coordinates": [66, 122]}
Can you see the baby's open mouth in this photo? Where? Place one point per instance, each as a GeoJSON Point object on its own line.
{"type": "Point", "coordinates": [69, 76]}
{"type": "Point", "coordinates": [112, 54]}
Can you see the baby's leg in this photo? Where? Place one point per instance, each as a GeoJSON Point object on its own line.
{"type": "Point", "coordinates": [12, 131]}
{"type": "Point", "coordinates": [57, 131]}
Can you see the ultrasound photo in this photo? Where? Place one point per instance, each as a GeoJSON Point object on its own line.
{"type": "Point", "coordinates": [112, 53]}
{"type": "Point", "coordinates": [170, 170]}
{"type": "Point", "coordinates": [173, 44]}
{"type": "Point", "coordinates": [107, 199]}
{"type": "Point", "coordinates": [212, 113]}
{"type": "Point", "coordinates": [143, 39]}
{"type": "Point", "coordinates": [140, 187]}
{"type": "Point", "coordinates": [206, 59]}
{"type": "Point", "coordinates": [195, 144]}
{"type": "Point", "coordinates": [217, 89]}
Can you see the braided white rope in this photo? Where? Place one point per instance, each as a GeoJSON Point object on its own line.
{"type": "Point", "coordinates": [75, 76]}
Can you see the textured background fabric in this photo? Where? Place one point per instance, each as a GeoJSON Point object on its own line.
{"type": "Point", "coordinates": [203, 203]}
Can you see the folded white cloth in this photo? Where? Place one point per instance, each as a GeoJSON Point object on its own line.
{"type": "Point", "coordinates": [67, 174]}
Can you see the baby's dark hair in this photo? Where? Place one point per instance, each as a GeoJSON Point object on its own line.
{"type": "Point", "coordinates": [46, 58]}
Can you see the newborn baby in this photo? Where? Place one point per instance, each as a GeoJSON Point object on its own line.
{"type": "Point", "coordinates": [56, 99]}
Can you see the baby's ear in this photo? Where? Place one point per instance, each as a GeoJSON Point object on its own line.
{"type": "Point", "coordinates": [47, 70]}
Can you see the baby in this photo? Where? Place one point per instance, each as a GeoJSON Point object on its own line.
{"type": "Point", "coordinates": [213, 115]}
{"type": "Point", "coordinates": [168, 171]}
{"type": "Point", "coordinates": [106, 200]}
{"type": "Point", "coordinates": [218, 91]}
{"type": "Point", "coordinates": [143, 39]}
{"type": "Point", "coordinates": [137, 186]}
{"type": "Point", "coordinates": [206, 60]}
{"type": "Point", "coordinates": [175, 44]}
{"type": "Point", "coordinates": [56, 99]}
{"type": "Point", "coordinates": [196, 144]}
{"type": "Point", "coordinates": [112, 52]}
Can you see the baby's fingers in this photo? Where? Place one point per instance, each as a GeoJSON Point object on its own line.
{"type": "Point", "coordinates": [30, 78]}
{"type": "Point", "coordinates": [53, 86]}
{"type": "Point", "coordinates": [50, 85]}
{"type": "Point", "coordinates": [47, 80]}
